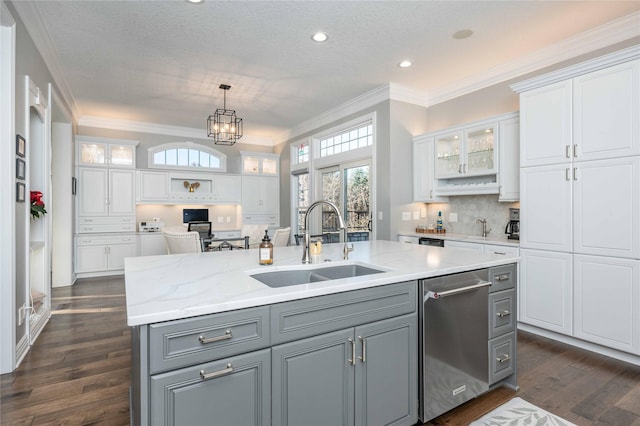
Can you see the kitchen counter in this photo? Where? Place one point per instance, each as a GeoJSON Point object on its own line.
{"type": "Point", "coordinates": [169, 287]}
{"type": "Point", "coordinates": [491, 239]}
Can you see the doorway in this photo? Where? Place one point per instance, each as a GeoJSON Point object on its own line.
{"type": "Point", "coordinates": [348, 186]}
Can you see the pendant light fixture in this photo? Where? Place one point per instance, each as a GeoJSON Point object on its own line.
{"type": "Point", "coordinates": [223, 126]}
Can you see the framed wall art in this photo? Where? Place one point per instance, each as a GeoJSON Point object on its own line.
{"type": "Point", "coordinates": [20, 192]}
{"type": "Point", "coordinates": [20, 169]}
{"type": "Point", "coordinates": [21, 146]}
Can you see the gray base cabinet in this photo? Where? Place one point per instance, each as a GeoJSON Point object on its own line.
{"type": "Point", "coordinates": [342, 359]}
{"type": "Point", "coordinates": [364, 376]}
{"type": "Point", "coordinates": [233, 391]}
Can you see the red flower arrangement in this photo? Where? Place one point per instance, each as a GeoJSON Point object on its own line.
{"type": "Point", "coordinates": [37, 205]}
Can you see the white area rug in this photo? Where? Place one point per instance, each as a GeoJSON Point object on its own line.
{"type": "Point", "coordinates": [519, 412]}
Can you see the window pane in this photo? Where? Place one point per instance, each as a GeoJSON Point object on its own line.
{"type": "Point", "coordinates": [172, 157]}
{"type": "Point", "coordinates": [194, 158]}
{"type": "Point", "coordinates": [214, 162]}
{"type": "Point", "coordinates": [159, 157]}
{"type": "Point", "coordinates": [183, 157]}
{"type": "Point", "coordinates": [204, 159]}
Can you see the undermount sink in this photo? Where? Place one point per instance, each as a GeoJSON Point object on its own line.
{"type": "Point", "coordinates": [285, 278]}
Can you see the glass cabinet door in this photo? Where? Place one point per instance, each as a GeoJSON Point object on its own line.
{"type": "Point", "coordinates": [121, 155]}
{"type": "Point", "coordinates": [448, 155]}
{"type": "Point", "coordinates": [269, 166]}
{"type": "Point", "coordinates": [93, 153]}
{"type": "Point", "coordinates": [480, 152]}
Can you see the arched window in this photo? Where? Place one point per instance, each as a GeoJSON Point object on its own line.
{"type": "Point", "coordinates": [187, 155]}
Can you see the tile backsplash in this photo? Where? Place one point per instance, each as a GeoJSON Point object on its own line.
{"type": "Point", "coordinates": [470, 208]}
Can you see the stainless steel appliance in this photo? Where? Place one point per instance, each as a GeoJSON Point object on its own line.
{"type": "Point", "coordinates": [513, 227]}
{"type": "Point", "coordinates": [426, 241]}
{"type": "Point", "coordinates": [453, 349]}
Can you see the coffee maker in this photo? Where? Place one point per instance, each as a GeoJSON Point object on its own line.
{"type": "Point", "coordinates": [513, 227]}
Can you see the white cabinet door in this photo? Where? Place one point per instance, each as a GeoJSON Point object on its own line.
{"type": "Point", "coordinates": [607, 207]}
{"type": "Point", "coordinates": [545, 125]}
{"type": "Point", "coordinates": [607, 301]}
{"type": "Point", "coordinates": [606, 113]}
{"type": "Point", "coordinates": [91, 258]}
{"type": "Point", "coordinates": [545, 209]}
{"type": "Point", "coordinates": [227, 188]}
{"type": "Point", "coordinates": [260, 195]}
{"type": "Point", "coordinates": [92, 192]}
{"type": "Point", "coordinates": [423, 170]}
{"type": "Point", "coordinates": [508, 162]}
{"type": "Point", "coordinates": [545, 290]}
{"type": "Point", "coordinates": [153, 186]}
{"type": "Point", "coordinates": [117, 253]}
{"type": "Point", "coordinates": [122, 195]}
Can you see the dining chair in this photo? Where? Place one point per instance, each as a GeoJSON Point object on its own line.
{"type": "Point", "coordinates": [204, 229]}
{"type": "Point", "coordinates": [281, 237]}
{"type": "Point", "coordinates": [182, 242]}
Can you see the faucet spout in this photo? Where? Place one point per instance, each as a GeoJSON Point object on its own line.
{"type": "Point", "coordinates": [485, 232]}
{"type": "Point", "coordinates": [306, 255]}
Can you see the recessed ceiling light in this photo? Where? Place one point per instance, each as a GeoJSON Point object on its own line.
{"type": "Point", "coordinates": [319, 37]}
{"type": "Point", "coordinates": [195, 1]}
{"type": "Point", "coordinates": [405, 64]}
{"type": "Point", "coordinates": [462, 34]}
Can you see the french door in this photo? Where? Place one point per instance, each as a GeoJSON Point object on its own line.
{"type": "Point", "coordinates": [348, 186]}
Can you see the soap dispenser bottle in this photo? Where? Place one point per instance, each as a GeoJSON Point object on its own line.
{"type": "Point", "coordinates": [439, 222]}
{"type": "Point", "coordinates": [266, 250]}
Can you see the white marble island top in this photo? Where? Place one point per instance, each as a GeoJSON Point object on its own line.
{"type": "Point", "coordinates": [164, 288]}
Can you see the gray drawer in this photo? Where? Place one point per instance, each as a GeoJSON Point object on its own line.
{"type": "Point", "coordinates": [308, 317]}
{"type": "Point", "coordinates": [191, 341]}
{"type": "Point", "coordinates": [502, 313]}
{"type": "Point", "coordinates": [502, 357]}
{"type": "Point", "coordinates": [503, 277]}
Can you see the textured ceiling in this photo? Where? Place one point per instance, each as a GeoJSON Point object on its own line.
{"type": "Point", "coordinates": [162, 61]}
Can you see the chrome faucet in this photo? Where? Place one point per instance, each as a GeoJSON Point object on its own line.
{"type": "Point", "coordinates": [485, 232]}
{"type": "Point", "coordinates": [306, 255]}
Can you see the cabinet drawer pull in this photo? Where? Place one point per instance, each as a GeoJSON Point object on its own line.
{"type": "Point", "coordinates": [504, 253]}
{"type": "Point", "coordinates": [207, 376]}
{"type": "Point", "coordinates": [87, 220]}
{"type": "Point", "coordinates": [503, 314]}
{"type": "Point", "coordinates": [567, 151]}
{"type": "Point", "coordinates": [460, 169]}
{"type": "Point", "coordinates": [502, 277]}
{"type": "Point", "coordinates": [504, 358]}
{"type": "Point", "coordinates": [226, 336]}
{"type": "Point", "coordinates": [575, 150]}
{"type": "Point", "coordinates": [352, 361]}
{"type": "Point", "coordinates": [567, 174]}
{"type": "Point", "coordinates": [363, 358]}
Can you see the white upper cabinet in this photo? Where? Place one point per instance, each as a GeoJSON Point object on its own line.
{"type": "Point", "coordinates": [467, 160]}
{"type": "Point", "coordinates": [423, 170]}
{"type": "Point", "coordinates": [545, 125]}
{"type": "Point", "coordinates": [104, 192]}
{"type": "Point", "coordinates": [260, 163]}
{"type": "Point", "coordinates": [607, 113]}
{"type": "Point", "coordinates": [103, 152]}
{"type": "Point", "coordinates": [156, 187]}
{"type": "Point", "coordinates": [153, 186]}
{"type": "Point", "coordinates": [589, 117]}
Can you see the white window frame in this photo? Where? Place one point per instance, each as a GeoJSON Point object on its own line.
{"type": "Point", "coordinates": [316, 162]}
{"type": "Point", "coordinates": [186, 145]}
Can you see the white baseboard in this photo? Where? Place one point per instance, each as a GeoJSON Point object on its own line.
{"type": "Point", "coordinates": [602, 350]}
{"type": "Point", "coordinates": [21, 349]}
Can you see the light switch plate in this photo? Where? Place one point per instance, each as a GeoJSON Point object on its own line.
{"type": "Point", "coordinates": [406, 215]}
{"type": "Point", "coordinates": [220, 219]}
{"type": "Point", "coordinates": [453, 217]}
{"type": "Point", "coordinates": [416, 215]}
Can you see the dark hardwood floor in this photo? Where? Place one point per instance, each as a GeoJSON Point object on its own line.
{"type": "Point", "coordinates": [78, 372]}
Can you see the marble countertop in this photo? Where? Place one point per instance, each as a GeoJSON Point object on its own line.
{"type": "Point", "coordinates": [169, 287]}
{"type": "Point", "coordinates": [491, 239]}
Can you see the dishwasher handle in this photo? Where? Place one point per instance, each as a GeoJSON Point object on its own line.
{"type": "Point", "coordinates": [437, 295]}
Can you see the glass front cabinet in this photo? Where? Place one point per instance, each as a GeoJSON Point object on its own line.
{"type": "Point", "coordinates": [466, 153]}
{"type": "Point", "coordinates": [104, 152]}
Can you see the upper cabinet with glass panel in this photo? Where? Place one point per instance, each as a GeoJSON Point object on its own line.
{"type": "Point", "coordinates": [105, 152]}
{"type": "Point", "coordinates": [465, 153]}
{"type": "Point", "coordinates": [260, 163]}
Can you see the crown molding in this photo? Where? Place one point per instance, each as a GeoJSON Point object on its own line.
{"type": "Point", "coordinates": [32, 20]}
{"type": "Point", "coordinates": [160, 129]}
{"type": "Point", "coordinates": [596, 38]}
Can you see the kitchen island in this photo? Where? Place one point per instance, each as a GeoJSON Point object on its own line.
{"type": "Point", "coordinates": [212, 342]}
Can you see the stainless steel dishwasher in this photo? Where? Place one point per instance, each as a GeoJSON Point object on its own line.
{"type": "Point", "coordinates": [454, 333]}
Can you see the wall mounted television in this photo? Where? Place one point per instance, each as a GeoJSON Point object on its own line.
{"type": "Point", "coordinates": [195, 215]}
